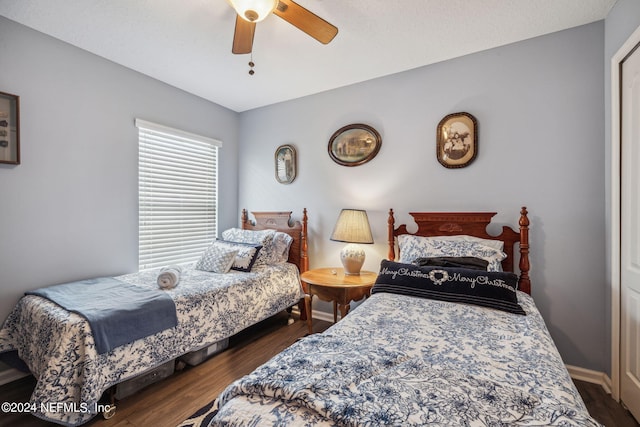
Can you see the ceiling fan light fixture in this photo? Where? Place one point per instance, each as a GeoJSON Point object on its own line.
{"type": "Point", "coordinates": [254, 10]}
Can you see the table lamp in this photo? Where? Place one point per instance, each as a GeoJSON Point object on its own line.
{"type": "Point", "coordinates": [352, 227]}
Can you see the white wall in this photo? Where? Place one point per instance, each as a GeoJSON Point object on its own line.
{"type": "Point", "coordinates": [70, 210]}
{"type": "Point", "coordinates": [539, 105]}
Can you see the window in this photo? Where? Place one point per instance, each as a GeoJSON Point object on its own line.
{"type": "Point", "coordinates": [177, 195]}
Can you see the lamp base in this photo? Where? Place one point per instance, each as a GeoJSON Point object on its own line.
{"type": "Point", "coordinates": [352, 257]}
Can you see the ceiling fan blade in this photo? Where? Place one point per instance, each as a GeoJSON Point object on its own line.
{"type": "Point", "coordinates": [243, 36]}
{"type": "Point", "coordinates": [306, 21]}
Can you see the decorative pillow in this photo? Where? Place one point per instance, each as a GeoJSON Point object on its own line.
{"type": "Point", "coordinates": [246, 255]}
{"type": "Point", "coordinates": [217, 258]}
{"type": "Point", "coordinates": [275, 244]}
{"type": "Point", "coordinates": [454, 262]}
{"type": "Point", "coordinates": [414, 247]}
{"type": "Point", "coordinates": [248, 236]}
{"type": "Point", "coordinates": [282, 242]}
{"type": "Point", "coordinates": [495, 290]}
{"type": "Point", "coordinates": [496, 244]}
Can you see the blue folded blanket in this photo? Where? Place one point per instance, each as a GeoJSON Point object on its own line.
{"type": "Point", "coordinates": [118, 312]}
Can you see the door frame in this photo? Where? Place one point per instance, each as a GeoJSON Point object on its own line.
{"type": "Point", "coordinates": [616, 100]}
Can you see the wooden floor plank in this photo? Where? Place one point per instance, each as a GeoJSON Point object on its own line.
{"type": "Point", "coordinates": [172, 400]}
{"type": "Point", "coordinates": [602, 407]}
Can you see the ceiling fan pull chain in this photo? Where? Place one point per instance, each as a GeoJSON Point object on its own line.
{"type": "Point", "coordinates": [251, 64]}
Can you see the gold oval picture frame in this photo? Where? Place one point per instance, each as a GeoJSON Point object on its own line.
{"type": "Point", "coordinates": [457, 140]}
{"type": "Point", "coordinates": [354, 144]}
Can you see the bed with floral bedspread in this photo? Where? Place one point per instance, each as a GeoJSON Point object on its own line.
{"type": "Point", "coordinates": [60, 351]}
{"type": "Point", "coordinates": [444, 340]}
{"type": "Point", "coordinates": [401, 360]}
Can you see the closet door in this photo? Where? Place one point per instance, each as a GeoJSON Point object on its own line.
{"type": "Point", "coordinates": [630, 234]}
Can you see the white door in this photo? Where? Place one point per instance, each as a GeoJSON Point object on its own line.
{"type": "Point", "coordinates": [630, 235]}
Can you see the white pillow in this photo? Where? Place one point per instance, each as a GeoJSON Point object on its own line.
{"type": "Point", "coordinates": [217, 258]}
{"type": "Point", "coordinates": [413, 247]}
{"type": "Point", "coordinates": [496, 244]}
{"type": "Point", "coordinates": [282, 242]}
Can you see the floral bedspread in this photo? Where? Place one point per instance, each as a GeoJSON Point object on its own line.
{"type": "Point", "coordinates": [402, 361]}
{"type": "Point", "coordinates": [60, 351]}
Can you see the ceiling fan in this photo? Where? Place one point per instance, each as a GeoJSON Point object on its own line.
{"type": "Point", "coordinates": [251, 11]}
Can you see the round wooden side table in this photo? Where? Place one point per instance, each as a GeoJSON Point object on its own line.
{"type": "Point", "coordinates": [331, 284]}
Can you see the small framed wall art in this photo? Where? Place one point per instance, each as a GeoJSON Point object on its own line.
{"type": "Point", "coordinates": [286, 164]}
{"type": "Point", "coordinates": [457, 140]}
{"type": "Point", "coordinates": [354, 145]}
{"type": "Point", "coordinates": [9, 129]}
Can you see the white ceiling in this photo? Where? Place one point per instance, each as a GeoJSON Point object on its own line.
{"type": "Point", "coordinates": [187, 43]}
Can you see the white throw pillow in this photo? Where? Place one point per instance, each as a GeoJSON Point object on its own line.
{"type": "Point", "coordinates": [413, 247]}
{"type": "Point", "coordinates": [496, 244]}
{"type": "Point", "coordinates": [217, 258]}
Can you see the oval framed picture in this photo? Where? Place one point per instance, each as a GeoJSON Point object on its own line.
{"type": "Point", "coordinates": [354, 145]}
{"type": "Point", "coordinates": [457, 140]}
{"type": "Point", "coordinates": [286, 167]}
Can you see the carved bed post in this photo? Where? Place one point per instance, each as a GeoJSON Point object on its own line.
{"type": "Point", "coordinates": [391, 256]}
{"type": "Point", "coordinates": [304, 263]}
{"type": "Point", "coordinates": [524, 284]}
{"type": "Point", "coordinates": [244, 219]}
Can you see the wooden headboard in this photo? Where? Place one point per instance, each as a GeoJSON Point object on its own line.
{"type": "Point", "coordinates": [472, 224]}
{"type": "Point", "coordinates": [281, 221]}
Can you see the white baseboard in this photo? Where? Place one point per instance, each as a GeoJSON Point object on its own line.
{"type": "Point", "coordinates": [590, 376]}
{"type": "Point", "coordinates": [323, 315]}
{"type": "Point", "coordinates": [320, 315]}
{"type": "Point", "coordinates": [9, 375]}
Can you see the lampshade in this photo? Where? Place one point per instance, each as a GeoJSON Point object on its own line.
{"type": "Point", "coordinates": [254, 10]}
{"type": "Point", "coordinates": [352, 227]}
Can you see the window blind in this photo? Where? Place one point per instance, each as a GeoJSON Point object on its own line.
{"type": "Point", "coordinates": [177, 195]}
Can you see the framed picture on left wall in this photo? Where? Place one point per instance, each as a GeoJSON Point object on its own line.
{"type": "Point", "coordinates": [9, 128]}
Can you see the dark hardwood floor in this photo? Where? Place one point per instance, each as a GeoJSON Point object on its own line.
{"type": "Point", "coordinates": [602, 407]}
{"type": "Point", "coordinates": [170, 401]}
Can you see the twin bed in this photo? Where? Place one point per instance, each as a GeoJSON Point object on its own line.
{"type": "Point", "coordinates": [435, 344]}
{"type": "Point", "coordinates": [59, 348]}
